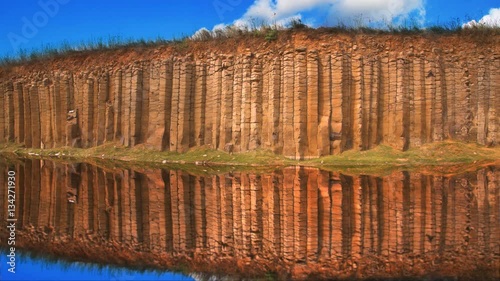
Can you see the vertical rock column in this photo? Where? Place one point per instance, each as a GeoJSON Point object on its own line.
{"type": "Point", "coordinates": [28, 130]}
{"type": "Point", "coordinates": [443, 93]}
{"type": "Point", "coordinates": [289, 145]}
{"type": "Point", "coordinates": [300, 104]}
{"type": "Point", "coordinates": [87, 115]}
{"type": "Point", "coordinates": [48, 101]}
{"type": "Point", "coordinates": [174, 113]}
{"type": "Point", "coordinates": [407, 100]}
{"type": "Point", "coordinates": [275, 127]}
{"type": "Point", "coordinates": [156, 112]}
{"type": "Point", "coordinates": [374, 116]}
{"type": "Point", "coordinates": [217, 101]}
{"type": "Point", "coordinates": [482, 97]}
{"type": "Point", "coordinates": [418, 115]}
{"type": "Point", "coordinates": [35, 116]}
{"type": "Point", "coordinates": [430, 93]}
{"type": "Point", "coordinates": [358, 106]}
{"type": "Point", "coordinates": [136, 105]}
{"type": "Point", "coordinates": [324, 105]}
{"type": "Point", "coordinates": [376, 103]}
{"type": "Point", "coordinates": [256, 107]}
{"type": "Point", "coordinates": [237, 99]}
{"type": "Point", "coordinates": [185, 135]}
{"type": "Point", "coordinates": [145, 108]}
{"type": "Point", "coordinates": [109, 122]}
{"type": "Point", "coordinates": [100, 112]}
{"type": "Point", "coordinates": [207, 134]}
{"type": "Point", "coordinates": [313, 93]}
{"type": "Point", "coordinates": [2, 114]}
{"type": "Point", "coordinates": [66, 104]}
{"type": "Point", "coordinates": [226, 114]}
{"type": "Point", "coordinates": [166, 94]}
{"type": "Point", "coordinates": [19, 113]}
{"type": "Point", "coordinates": [9, 112]}
{"type": "Point", "coordinates": [265, 124]}
{"type": "Point", "coordinates": [118, 108]}
{"type": "Point", "coordinates": [461, 84]}
{"type": "Point", "coordinates": [347, 104]}
{"type": "Point", "coordinates": [337, 82]}
{"type": "Point", "coordinates": [213, 104]}
{"type": "Point", "coordinates": [200, 100]}
{"type": "Point", "coordinates": [373, 102]}
{"type": "Point", "coordinates": [493, 135]}
{"type": "Point", "coordinates": [126, 117]}
{"type": "Point", "coordinates": [398, 138]}
{"type": "Point", "coordinates": [437, 94]}
{"type": "Point", "coordinates": [246, 102]}
{"type": "Point", "coordinates": [451, 97]}
{"type": "Point", "coordinates": [56, 105]}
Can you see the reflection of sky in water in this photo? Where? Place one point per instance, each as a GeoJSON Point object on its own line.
{"type": "Point", "coordinates": [28, 268]}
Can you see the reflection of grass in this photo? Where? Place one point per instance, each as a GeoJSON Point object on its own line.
{"type": "Point", "coordinates": [447, 152]}
{"type": "Point", "coordinates": [206, 161]}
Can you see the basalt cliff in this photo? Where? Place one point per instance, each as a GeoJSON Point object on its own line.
{"type": "Point", "coordinates": [305, 95]}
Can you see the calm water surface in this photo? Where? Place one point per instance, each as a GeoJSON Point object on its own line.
{"type": "Point", "coordinates": [294, 223]}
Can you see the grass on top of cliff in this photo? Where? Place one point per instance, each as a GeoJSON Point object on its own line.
{"type": "Point", "coordinates": [263, 33]}
{"type": "Point", "coordinates": [381, 157]}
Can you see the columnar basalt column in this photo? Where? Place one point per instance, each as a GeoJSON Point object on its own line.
{"type": "Point", "coordinates": [136, 105]}
{"type": "Point", "coordinates": [200, 100]}
{"type": "Point", "coordinates": [9, 115]}
{"type": "Point", "coordinates": [28, 134]}
{"type": "Point", "coordinates": [226, 114]}
{"type": "Point", "coordinates": [312, 102]}
{"type": "Point", "coordinates": [324, 105]}
{"type": "Point", "coordinates": [256, 113]}
{"type": "Point", "coordinates": [288, 105]}
{"type": "Point", "coordinates": [18, 113]}
{"type": "Point", "coordinates": [300, 103]}
{"type": "Point", "coordinates": [246, 102]}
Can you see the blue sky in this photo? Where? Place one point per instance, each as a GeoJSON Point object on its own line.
{"type": "Point", "coordinates": [31, 24]}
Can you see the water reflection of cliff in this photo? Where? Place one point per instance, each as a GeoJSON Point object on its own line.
{"type": "Point", "coordinates": [297, 222]}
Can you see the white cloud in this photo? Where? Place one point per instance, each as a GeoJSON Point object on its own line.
{"type": "Point", "coordinates": [376, 11]}
{"type": "Point", "coordinates": [381, 11]}
{"type": "Point", "coordinates": [491, 19]}
{"type": "Point", "coordinates": [348, 12]}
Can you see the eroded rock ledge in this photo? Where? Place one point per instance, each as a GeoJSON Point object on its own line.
{"type": "Point", "coordinates": [303, 98]}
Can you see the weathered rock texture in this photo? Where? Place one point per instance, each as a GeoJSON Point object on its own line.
{"type": "Point", "coordinates": [303, 99]}
{"type": "Point", "coordinates": [297, 221]}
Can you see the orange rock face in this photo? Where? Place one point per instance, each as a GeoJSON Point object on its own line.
{"type": "Point", "coordinates": [302, 98]}
{"type": "Point", "coordinates": [297, 222]}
